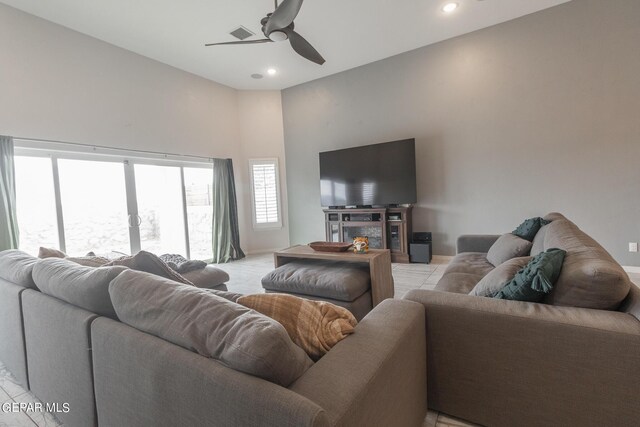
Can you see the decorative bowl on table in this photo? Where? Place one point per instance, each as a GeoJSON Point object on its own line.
{"type": "Point", "coordinates": [330, 246]}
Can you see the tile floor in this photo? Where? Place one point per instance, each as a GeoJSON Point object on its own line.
{"type": "Point", "coordinates": [11, 392]}
{"type": "Point", "coordinates": [245, 278]}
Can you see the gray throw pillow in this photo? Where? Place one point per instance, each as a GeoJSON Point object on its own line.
{"type": "Point", "coordinates": [84, 287]}
{"type": "Point", "coordinates": [212, 326]}
{"type": "Point", "coordinates": [497, 278]}
{"type": "Point", "coordinates": [508, 246]}
{"type": "Point", "coordinates": [207, 277]}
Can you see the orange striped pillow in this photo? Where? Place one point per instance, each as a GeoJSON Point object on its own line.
{"type": "Point", "coordinates": [315, 326]}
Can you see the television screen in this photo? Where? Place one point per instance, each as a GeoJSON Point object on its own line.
{"type": "Point", "coordinates": [379, 174]}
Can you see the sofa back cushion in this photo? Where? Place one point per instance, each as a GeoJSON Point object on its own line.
{"type": "Point", "coordinates": [538, 242]}
{"type": "Point", "coordinates": [590, 277]}
{"type": "Point", "coordinates": [84, 287]}
{"type": "Point", "coordinates": [215, 327]}
{"type": "Point", "coordinates": [17, 267]}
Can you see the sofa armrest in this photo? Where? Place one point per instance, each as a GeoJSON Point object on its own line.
{"type": "Point", "coordinates": [476, 242]}
{"type": "Point", "coordinates": [499, 362]}
{"type": "Point", "coordinates": [377, 376]}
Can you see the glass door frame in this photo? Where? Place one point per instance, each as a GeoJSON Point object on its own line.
{"type": "Point", "coordinates": [128, 162]}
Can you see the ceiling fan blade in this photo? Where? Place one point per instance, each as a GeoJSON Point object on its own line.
{"type": "Point", "coordinates": [304, 48]}
{"type": "Point", "coordinates": [241, 42]}
{"type": "Point", "coordinates": [283, 15]}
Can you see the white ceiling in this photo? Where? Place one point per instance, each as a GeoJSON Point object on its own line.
{"type": "Point", "coordinates": [348, 33]}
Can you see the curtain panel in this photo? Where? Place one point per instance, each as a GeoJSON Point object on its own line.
{"type": "Point", "coordinates": [9, 235]}
{"type": "Point", "coordinates": [226, 234]}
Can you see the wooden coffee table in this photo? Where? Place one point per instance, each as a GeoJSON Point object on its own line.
{"type": "Point", "coordinates": [379, 261]}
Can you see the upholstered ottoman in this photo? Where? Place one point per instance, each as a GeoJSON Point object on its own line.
{"type": "Point", "coordinates": [340, 283]}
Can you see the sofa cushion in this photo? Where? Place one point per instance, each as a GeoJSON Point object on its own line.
{"type": "Point", "coordinates": [497, 278]}
{"type": "Point", "coordinates": [200, 321]}
{"type": "Point", "coordinates": [17, 267]}
{"type": "Point", "coordinates": [207, 277]}
{"type": "Point", "coordinates": [590, 277]}
{"type": "Point", "coordinates": [631, 303]}
{"type": "Point", "coordinates": [149, 263]}
{"type": "Point", "coordinates": [224, 293]}
{"type": "Point", "coordinates": [529, 228]}
{"type": "Point", "coordinates": [84, 287]}
{"type": "Point", "coordinates": [533, 282]}
{"type": "Point", "coordinates": [538, 241]}
{"type": "Point", "coordinates": [506, 247]}
{"type": "Point", "coordinates": [90, 261]}
{"type": "Point", "coordinates": [315, 326]}
{"type": "Point", "coordinates": [336, 280]}
{"type": "Point", "coordinates": [464, 272]}
{"type": "Point", "coordinates": [553, 216]}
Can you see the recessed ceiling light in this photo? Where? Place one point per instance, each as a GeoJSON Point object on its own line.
{"type": "Point", "coordinates": [449, 7]}
{"type": "Point", "coordinates": [272, 71]}
{"type": "Point", "coordinates": [256, 76]}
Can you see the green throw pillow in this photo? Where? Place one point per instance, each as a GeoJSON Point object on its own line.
{"type": "Point", "coordinates": [536, 279]}
{"type": "Point", "coordinates": [529, 228]}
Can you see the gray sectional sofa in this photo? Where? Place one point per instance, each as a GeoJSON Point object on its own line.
{"type": "Point", "coordinates": [572, 361]}
{"type": "Point", "coordinates": [67, 345]}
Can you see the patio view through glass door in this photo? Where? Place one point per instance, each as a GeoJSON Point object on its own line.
{"type": "Point", "coordinates": [160, 209]}
{"type": "Point", "coordinates": [81, 203]}
{"type": "Point", "coordinates": [198, 184]}
{"type": "Point", "coordinates": [35, 203]}
{"type": "Point", "coordinates": [94, 206]}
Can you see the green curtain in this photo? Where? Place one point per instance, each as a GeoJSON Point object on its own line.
{"type": "Point", "coordinates": [9, 236]}
{"type": "Point", "coordinates": [226, 234]}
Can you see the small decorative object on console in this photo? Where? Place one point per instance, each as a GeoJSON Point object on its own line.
{"type": "Point", "coordinates": [361, 245]}
{"type": "Point", "coordinates": [330, 246]}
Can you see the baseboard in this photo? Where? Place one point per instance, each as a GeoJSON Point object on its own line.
{"type": "Point", "coordinates": [631, 269]}
{"type": "Point", "coordinates": [263, 251]}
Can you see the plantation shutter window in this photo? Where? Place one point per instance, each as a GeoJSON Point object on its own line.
{"type": "Point", "coordinates": [265, 192]}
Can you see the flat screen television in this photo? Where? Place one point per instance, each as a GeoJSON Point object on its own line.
{"type": "Point", "coordinates": [372, 175]}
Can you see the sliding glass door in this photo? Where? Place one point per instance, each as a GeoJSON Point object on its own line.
{"type": "Point", "coordinates": [198, 184]}
{"type": "Point", "coordinates": [160, 209]}
{"type": "Point", "coordinates": [94, 206]}
{"type": "Point", "coordinates": [106, 204]}
{"type": "Point", "coordinates": [36, 203]}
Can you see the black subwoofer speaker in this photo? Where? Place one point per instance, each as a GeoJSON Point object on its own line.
{"type": "Point", "coordinates": [420, 252]}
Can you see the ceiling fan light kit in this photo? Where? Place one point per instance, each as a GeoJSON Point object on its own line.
{"type": "Point", "coordinates": [278, 36]}
{"type": "Point", "coordinates": [278, 26]}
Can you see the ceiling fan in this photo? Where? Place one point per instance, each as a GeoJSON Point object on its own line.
{"type": "Point", "coordinates": [278, 26]}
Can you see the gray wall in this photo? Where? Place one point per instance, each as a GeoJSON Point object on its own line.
{"type": "Point", "coordinates": [59, 84]}
{"type": "Point", "coordinates": [534, 115]}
